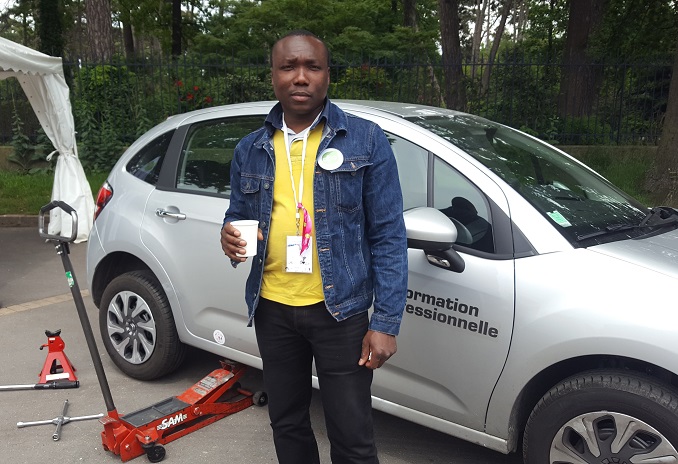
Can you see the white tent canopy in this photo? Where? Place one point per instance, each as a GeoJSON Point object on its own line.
{"type": "Point", "coordinates": [42, 79]}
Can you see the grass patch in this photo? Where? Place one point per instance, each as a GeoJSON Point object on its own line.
{"type": "Point", "coordinates": [27, 193]}
{"type": "Point", "coordinates": [624, 168]}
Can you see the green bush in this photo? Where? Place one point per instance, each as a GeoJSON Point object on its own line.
{"type": "Point", "coordinates": [27, 154]}
{"type": "Point", "coordinates": [586, 131]}
{"type": "Point", "coordinates": [102, 114]}
{"type": "Point", "coordinates": [362, 83]}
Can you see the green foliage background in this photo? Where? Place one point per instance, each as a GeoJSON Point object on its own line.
{"type": "Point", "coordinates": [375, 55]}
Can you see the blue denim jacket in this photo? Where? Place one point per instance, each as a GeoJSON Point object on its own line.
{"type": "Point", "coordinates": [359, 229]}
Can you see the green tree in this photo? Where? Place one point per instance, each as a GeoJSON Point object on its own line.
{"type": "Point", "coordinates": [636, 30]}
{"type": "Point", "coordinates": [547, 24]}
{"type": "Point", "coordinates": [18, 23]}
{"type": "Point", "coordinates": [370, 27]}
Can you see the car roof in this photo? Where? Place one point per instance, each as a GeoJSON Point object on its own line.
{"type": "Point", "coordinates": [386, 109]}
{"type": "Point", "coordinates": [402, 110]}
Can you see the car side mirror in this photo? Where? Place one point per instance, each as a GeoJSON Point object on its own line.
{"type": "Point", "coordinates": [430, 230]}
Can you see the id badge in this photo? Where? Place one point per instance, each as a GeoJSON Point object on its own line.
{"type": "Point", "coordinates": [298, 262]}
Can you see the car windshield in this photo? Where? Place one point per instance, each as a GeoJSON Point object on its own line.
{"type": "Point", "coordinates": [582, 205]}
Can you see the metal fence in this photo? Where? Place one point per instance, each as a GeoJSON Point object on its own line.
{"type": "Point", "coordinates": [118, 101]}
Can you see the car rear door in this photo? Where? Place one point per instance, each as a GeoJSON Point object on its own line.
{"type": "Point", "coordinates": [181, 227]}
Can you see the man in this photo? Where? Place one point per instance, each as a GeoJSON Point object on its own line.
{"type": "Point", "coordinates": [324, 187]}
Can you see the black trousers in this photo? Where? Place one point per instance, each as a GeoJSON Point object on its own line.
{"type": "Point", "coordinates": [290, 338]}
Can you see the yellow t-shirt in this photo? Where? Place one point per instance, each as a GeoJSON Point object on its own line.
{"type": "Point", "coordinates": [294, 289]}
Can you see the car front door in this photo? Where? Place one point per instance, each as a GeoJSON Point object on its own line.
{"type": "Point", "coordinates": [457, 326]}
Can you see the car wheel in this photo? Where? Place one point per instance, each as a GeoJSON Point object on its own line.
{"type": "Point", "coordinates": [260, 398]}
{"type": "Point", "coordinates": [604, 417]}
{"type": "Point", "coordinates": [137, 327]}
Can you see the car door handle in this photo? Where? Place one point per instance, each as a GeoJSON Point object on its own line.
{"type": "Point", "coordinates": [437, 261]}
{"type": "Point", "coordinates": [446, 259]}
{"type": "Point", "coordinates": [166, 214]}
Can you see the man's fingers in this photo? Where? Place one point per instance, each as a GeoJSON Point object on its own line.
{"type": "Point", "coordinates": [231, 244]}
{"type": "Point", "coordinates": [377, 348]}
{"type": "Point", "coordinates": [364, 354]}
{"type": "Point", "coordinates": [374, 362]}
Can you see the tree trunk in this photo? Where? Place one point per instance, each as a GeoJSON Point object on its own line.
{"type": "Point", "coordinates": [552, 7]}
{"type": "Point", "coordinates": [455, 90]}
{"type": "Point", "coordinates": [481, 9]}
{"type": "Point", "coordinates": [581, 77]}
{"type": "Point", "coordinates": [495, 46]}
{"type": "Point", "coordinates": [176, 28]}
{"type": "Point", "coordinates": [520, 18]}
{"type": "Point", "coordinates": [662, 180]}
{"type": "Point", "coordinates": [127, 32]}
{"type": "Point", "coordinates": [410, 14]}
{"type": "Point", "coordinates": [48, 25]}
{"type": "Point", "coordinates": [99, 30]}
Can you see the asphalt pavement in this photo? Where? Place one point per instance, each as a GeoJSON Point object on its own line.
{"type": "Point", "coordinates": [35, 296]}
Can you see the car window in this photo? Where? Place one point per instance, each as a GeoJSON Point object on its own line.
{"type": "Point", "coordinates": [147, 162]}
{"type": "Point", "coordinates": [205, 164]}
{"type": "Point", "coordinates": [465, 205]}
{"type": "Point", "coordinates": [412, 162]}
{"type": "Point", "coordinates": [452, 193]}
{"type": "Point", "coordinates": [585, 208]}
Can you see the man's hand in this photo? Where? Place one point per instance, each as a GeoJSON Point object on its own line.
{"type": "Point", "coordinates": [377, 348]}
{"type": "Point", "coordinates": [232, 244]}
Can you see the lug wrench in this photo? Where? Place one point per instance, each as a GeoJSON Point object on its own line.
{"type": "Point", "coordinates": [59, 421]}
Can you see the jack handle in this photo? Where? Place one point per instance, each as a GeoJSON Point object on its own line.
{"type": "Point", "coordinates": [54, 384]}
{"type": "Point", "coordinates": [68, 209]}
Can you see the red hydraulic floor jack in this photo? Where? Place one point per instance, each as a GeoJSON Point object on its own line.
{"type": "Point", "coordinates": [216, 396]}
{"type": "Point", "coordinates": [143, 432]}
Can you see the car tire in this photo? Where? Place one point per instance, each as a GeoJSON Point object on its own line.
{"type": "Point", "coordinates": [137, 327]}
{"type": "Point", "coordinates": [260, 398]}
{"type": "Point", "coordinates": [604, 417]}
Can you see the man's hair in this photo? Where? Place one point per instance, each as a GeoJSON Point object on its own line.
{"type": "Point", "coordinates": [302, 33]}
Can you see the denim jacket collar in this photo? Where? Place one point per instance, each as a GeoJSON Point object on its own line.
{"type": "Point", "coordinates": [335, 121]}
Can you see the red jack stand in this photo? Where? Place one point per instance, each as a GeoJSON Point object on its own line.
{"type": "Point", "coordinates": [145, 431]}
{"type": "Point", "coordinates": [57, 372]}
{"type": "Point", "coordinates": [57, 365]}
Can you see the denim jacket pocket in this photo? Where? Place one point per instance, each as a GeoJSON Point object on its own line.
{"type": "Point", "coordinates": [252, 186]}
{"type": "Point", "coordinates": [347, 184]}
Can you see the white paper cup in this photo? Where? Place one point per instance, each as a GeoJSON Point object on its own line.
{"type": "Point", "coordinates": [248, 232]}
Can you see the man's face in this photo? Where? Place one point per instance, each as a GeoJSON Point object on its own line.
{"type": "Point", "coordinates": [300, 76]}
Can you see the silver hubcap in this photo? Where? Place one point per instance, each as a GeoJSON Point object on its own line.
{"type": "Point", "coordinates": [610, 438]}
{"type": "Point", "coordinates": [131, 327]}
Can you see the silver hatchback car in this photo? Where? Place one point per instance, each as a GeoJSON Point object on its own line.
{"type": "Point", "coordinates": [541, 304]}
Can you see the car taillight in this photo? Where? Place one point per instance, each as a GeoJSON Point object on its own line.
{"type": "Point", "coordinates": [103, 197]}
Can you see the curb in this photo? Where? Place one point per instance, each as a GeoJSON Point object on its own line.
{"type": "Point", "coordinates": [18, 220]}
